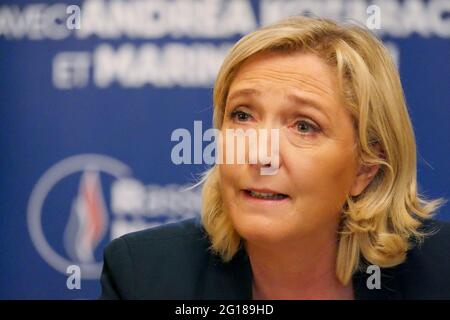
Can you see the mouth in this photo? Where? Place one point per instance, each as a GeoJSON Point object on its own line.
{"type": "Point", "coordinates": [265, 194]}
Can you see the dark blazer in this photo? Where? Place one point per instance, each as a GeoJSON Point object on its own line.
{"type": "Point", "coordinates": [173, 262]}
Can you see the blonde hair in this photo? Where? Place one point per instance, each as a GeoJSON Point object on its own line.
{"type": "Point", "coordinates": [378, 224]}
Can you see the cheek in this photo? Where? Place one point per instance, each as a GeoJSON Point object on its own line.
{"type": "Point", "coordinates": [229, 178]}
{"type": "Point", "coordinates": [322, 171]}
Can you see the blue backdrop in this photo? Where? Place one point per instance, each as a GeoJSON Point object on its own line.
{"type": "Point", "coordinates": [87, 111]}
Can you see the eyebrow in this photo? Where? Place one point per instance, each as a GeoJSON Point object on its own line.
{"type": "Point", "coordinates": [295, 98]}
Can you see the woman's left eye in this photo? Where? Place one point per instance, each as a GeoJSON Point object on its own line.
{"type": "Point", "coordinates": [306, 127]}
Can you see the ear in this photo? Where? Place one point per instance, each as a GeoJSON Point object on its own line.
{"type": "Point", "coordinates": [365, 174]}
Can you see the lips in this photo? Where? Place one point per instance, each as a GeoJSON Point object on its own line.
{"type": "Point", "coordinates": [265, 194]}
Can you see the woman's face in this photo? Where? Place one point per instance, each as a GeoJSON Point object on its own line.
{"type": "Point", "coordinates": [296, 93]}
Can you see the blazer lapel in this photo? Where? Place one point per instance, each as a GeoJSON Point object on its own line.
{"type": "Point", "coordinates": [229, 281]}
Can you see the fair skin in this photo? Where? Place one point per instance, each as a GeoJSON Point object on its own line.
{"type": "Point", "coordinates": [291, 239]}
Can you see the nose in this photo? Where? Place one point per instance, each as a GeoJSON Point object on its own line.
{"type": "Point", "coordinates": [267, 151]}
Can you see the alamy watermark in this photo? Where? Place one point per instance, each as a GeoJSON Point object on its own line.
{"type": "Point", "coordinates": [374, 280]}
{"type": "Point", "coordinates": [73, 21]}
{"type": "Point", "coordinates": [73, 281]}
{"type": "Point", "coordinates": [231, 146]}
{"type": "Point", "coordinates": [374, 19]}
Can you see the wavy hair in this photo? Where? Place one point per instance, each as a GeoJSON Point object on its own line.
{"type": "Point", "coordinates": [379, 224]}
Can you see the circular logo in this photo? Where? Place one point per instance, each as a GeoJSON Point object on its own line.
{"type": "Point", "coordinates": [86, 216]}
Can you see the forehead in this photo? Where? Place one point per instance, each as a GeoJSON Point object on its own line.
{"type": "Point", "coordinates": [299, 71]}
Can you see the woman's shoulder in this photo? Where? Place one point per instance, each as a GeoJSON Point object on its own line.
{"type": "Point", "coordinates": [426, 271]}
{"type": "Point", "coordinates": [170, 261]}
{"type": "Point", "coordinates": [436, 241]}
{"type": "Point", "coordinates": [180, 239]}
{"type": "Point", "coordinates": [174, 230]}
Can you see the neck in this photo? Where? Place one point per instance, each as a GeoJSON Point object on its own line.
{"type": "Point", "coordinates": [305, 270]}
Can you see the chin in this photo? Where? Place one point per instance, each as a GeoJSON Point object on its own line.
{"type": "Point", "coordinates": [261, 229]}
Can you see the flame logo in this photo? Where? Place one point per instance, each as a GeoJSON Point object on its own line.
{"type": "Point", "coordinates": [88, 219]}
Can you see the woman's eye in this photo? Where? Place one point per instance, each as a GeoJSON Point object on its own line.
{"type": "Point", "coordinates": [305, 127]}
{"type": "Point", "coordinates": [240, 115]}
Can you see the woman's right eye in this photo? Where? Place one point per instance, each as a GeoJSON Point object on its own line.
{"type": "Point", "coordinates": [240, 116]}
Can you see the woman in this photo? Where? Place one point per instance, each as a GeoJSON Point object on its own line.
{"type": "Point", "coordinates": [344, 195]}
